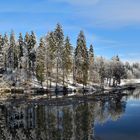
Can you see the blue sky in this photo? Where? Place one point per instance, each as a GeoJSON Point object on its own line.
{"type": "Point", "coordinates": [112, 26]}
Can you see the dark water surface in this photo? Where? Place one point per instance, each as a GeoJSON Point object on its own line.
{"type": "Point", "coordinates": [114, 119]}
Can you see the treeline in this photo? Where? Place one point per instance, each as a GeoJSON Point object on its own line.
{"type": "Point", "coordinates": [55, 59]}
{"type": "Point", "coordinates": [132, 70]}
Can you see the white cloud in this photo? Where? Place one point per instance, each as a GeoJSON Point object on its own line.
{"type": "Point", "coordinates": [130, 57]}
{"type": "Point", "coordinates": [99, 13]}
{"type": "Point", "coordinates": [109, 13]}
{"type": "Point", "coordinates": [79, 2]}
{"type": "Point", "coordinates": [123, 13]}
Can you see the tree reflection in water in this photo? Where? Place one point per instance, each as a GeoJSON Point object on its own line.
{"type": "Point", "coordinates": [72, 122]}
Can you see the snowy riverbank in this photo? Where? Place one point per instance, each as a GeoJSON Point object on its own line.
{"type": "Point", "coordinates": [73, 90]}
{"type": "Point", "coordinates": [130, 81]}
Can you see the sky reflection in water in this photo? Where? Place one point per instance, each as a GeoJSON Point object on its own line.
{"type": "Point", "coordinates": [116, 119]}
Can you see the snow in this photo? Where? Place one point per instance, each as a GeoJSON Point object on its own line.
{"type": "Point", "coordinates": [129, 81]}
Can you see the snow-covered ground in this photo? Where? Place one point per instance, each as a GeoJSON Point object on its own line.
{"type": "Point", "coordinates": [129, 81]}
{"type": "Point", "coordinates": [5, 82]}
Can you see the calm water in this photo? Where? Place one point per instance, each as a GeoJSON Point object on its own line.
{"type": "Point", "coordinates": [116, 119]}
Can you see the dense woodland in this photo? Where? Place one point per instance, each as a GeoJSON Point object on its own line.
{"type": "Point", "coordinates": [54, 59]}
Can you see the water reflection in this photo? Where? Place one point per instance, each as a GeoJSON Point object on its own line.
{"type": "Point", "coordinates": [72, 122]}
{"type": "Point", "coordinates": [84, 121]}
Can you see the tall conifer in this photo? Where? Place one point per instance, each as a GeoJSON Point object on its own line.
{"type": "Point", "coordinates": [40, 62]}
{"type": "Point", "coordinates": [59, 40]}
{"type": "Point", "coordinates": [81, 60]}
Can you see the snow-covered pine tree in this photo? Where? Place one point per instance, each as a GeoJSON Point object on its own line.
{"type": "Point", "coordinates": [5, 40]}
{"type": "Point", "coordinates": [78, 61]}
{"type": "Point", "coordinates": [81, 60]}
{"type": "Point", "coordinates": [40, 62]}
{"type": "Point", "coordinates": [32, 41]}
{"type": "Point", "coordinates": [59, 42]}
{"type": "Point", "coordinates": [20, 49]}
{"type": "Point", "coordinates": [47, 58]}
{"type": "Point", "coordinates": [1, 42]}
{"type": "Point", "coordinates": [101, 71]}
{"type": "Point", "coordinates": [26, 55]}
{"type": "Point", "coordinates": [31, 51]}
{"type": "Point", "coordinates": [51, 55]}
{"type": "Point", "coordinates": [12, 53]}
{"type": "Point", "coordinates": [91, 63]}
{"type": "Point", "coordinates": [1, 53]}
{"type": "Point", "coordinates": [67, 59]}
{"type": "Point", "coordinates": [21, 44]}
{"type": "Point", "coordinates": [26, 40]}
{"type": "Point", "coordinates": [85, 65]}
{"type": "Point", "coordinates": [5, 50]}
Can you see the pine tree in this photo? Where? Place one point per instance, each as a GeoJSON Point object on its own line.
{"type": "Point", "coordinates": [47, 58]}
{"type": "Point", "coordinates": [26, 40]}
{"type": "Point", "coordinates": [5, 48]}
{"type": "Point", "coordinates": [5, 40]}
{"type": "Point", "coordinates": [78, 61]}
{"type": "Point", "coordinates": [50, 54]}
{"type": "Point", "coordinates": [81, 60]}
{"type": "Point", "coordinates": [59, 40]}
{"type": "Point", "coordinates": [30, 42]}
{"type": "Point", "coordinates": [20, 49]}
{"type": "Point", "coordinates": [40, 62]}
{"type": "Point", "coordinates": [12, 53]}
{"type": "Point", "coordinates": [1, 42]}
{"type": "Point", "coordinates": [101, 71]}
{"type": "Point", "coordinates": [26, 55]}
{"type": "Point", "coordinates": [85, 66]}
{"type": "Point", "coordinates": [91, 63]}
{"type": "Point", "coordinates": [67, 59]}
{"type": "Point", "coordinates": [21, 44]}
{"type": "Point", "coordinates": [1, 53]}
{"type": "Point", "coordinates": [31, 51]}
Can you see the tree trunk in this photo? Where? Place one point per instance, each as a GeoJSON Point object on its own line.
{"type": "Point", "coordinates": [116, 82]}
{"type": "Point", "coordinates": [109, 82]}
{"type": "Point", "coordinates": [50, 82]}
{"type": "Point", "coordinates": [47, 78]}
{"type": "Point", "coordinates": [50, 78]}
{"type": "Point", "coordinates": [41, 84]}
{"type": "Point", "coordinates": [57, 74]}
{"type": "Point", "coordinates": [73, 72]}
{"type": "Point", "coordinates": [63, 77]}
{"type": "Point", "coordinates": [113, 82]}
{"type": "Point", "coordinates": [119, 81]}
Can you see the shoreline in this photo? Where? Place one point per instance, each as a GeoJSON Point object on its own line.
{"type": "Point", "coordinates": [65, 100]}
{"type": "Point", "coordinates": [32, 96]}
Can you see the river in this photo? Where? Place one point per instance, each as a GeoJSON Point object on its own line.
{"type": "Point", "coordinates": [114, 119]}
